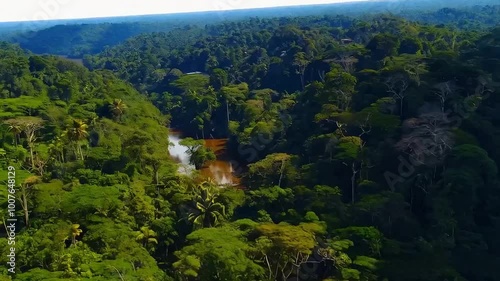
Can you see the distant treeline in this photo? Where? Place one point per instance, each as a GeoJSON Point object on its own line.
{"type": "Point", "coordinates": [92, 37]}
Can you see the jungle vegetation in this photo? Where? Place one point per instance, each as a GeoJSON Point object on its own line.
{"type": "Point", "coordinates": [367, 149]}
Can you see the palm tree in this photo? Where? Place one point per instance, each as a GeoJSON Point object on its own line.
{"type": "Point", "coordinates": [16, 130]}
{"type": "Point", "coordinates": [76, 133]}
{"type": "Point", "coordinates": [146, 237]}
{"type": "Point", "coordinates": [29, 125]}
{"type": "Point", "coordinates": [75, 232]}
{"type": "Point", "coordinates": [208, 212]}
{"type": "Point", "coordinates": [118, 108]}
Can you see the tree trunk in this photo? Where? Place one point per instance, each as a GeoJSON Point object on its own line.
{"type": "Point", "coordinates": [270, 275]}
{"type": "Point", "coordinates": [24, 205]}
{"type": "Point", "coordinates": [81, 152]}
{"type": "Point", "coordinates": [353, 181]}
{"type": "Point", "coordinates": [119, 274]}
{"type": "Point", "coordinates": [77, 152]}
{"type": "Point", "coordinates": [302, 80]}
{"type": "Point", "coordinates": [32, 157]}
{"type": "Point", "coordinates": [156, 176]}
{"type": "Point", "coordinates": [321, 75]}
{"type": "Point", "coordinates": [281, 172]}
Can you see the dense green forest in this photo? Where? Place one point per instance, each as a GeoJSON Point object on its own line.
{"type": "Point", "coordinates": [367, 150]}
{"type": "Point", "coordinates": [76, 40]}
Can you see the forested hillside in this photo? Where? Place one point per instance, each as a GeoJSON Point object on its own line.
{"type": "Point", "coordinates": [76, 40]}
{"type": "Point", "coordinates": [367, 150]}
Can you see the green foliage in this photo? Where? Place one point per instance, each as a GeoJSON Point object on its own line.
{"type": "Point", "coordinates": [198, 153]}
{"type": "Point", "coordinates": [370, 155]}
{"type": "Point", "coordinates": [81, 217]}
{"type": "Point", "coordinates": [209, 212]}
{"type": "Point", "coordinates": [218, 252]}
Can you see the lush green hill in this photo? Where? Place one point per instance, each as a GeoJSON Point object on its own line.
{"type": "Point", "coordinates": [81, 39]}
{"type": "Point", "coordinates": [83, 145]}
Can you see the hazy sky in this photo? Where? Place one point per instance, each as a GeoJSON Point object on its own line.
{"type": "Point", "coordinates": [21, 10]}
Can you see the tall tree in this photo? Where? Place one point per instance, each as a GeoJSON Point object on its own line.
{"type": "Point", "coordinates": [75, 232]}
{"type": "Point", "coordinates": [30, 126]}
{"type": "Point", "coordinates": [76, 133]}
{"type": "Point", "coordinates": [284, 248]}
{"type": "Point", "coordinates": [26, 194]}
{"type": "Point", "coordinates": [397, 85]}
{"type": "Point", "coordinates": [147, 237]}
{"type": "Point", "coordinates": [349, 152]}
{"type": "Point", "coordinates": [220, 253]}
{"type": "Point", "coordinates": [209, 210]}
{"type": "Point", "coordinates": [117, 108]}
{"type": "Point", "coordinates": [301, 61]}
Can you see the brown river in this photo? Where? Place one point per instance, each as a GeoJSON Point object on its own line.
{"type": "Point", "coordinates": [220, 170]}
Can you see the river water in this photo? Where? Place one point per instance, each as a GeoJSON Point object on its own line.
{"type": "Point", "coordinates": [220, 170]}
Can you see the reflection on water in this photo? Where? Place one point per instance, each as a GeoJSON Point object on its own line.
{"type": "Point", "coordinates": [179, 153]}
{"type": "Point", "coordinates": [220, 170]}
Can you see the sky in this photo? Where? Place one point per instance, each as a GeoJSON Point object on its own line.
{"type": "Point", "coordinates": [36, 10]}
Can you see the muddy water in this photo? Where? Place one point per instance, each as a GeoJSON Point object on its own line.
{"type": "Point", "coordinates": [220, 170]}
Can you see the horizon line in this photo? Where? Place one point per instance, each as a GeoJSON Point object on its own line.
{"type": "Point", "coordinates": [185, 13]}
